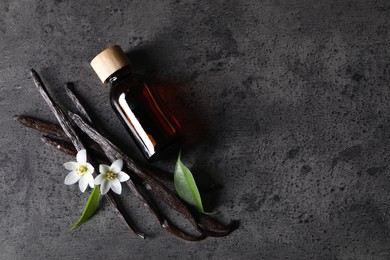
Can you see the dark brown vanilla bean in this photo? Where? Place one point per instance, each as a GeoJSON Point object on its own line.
{"type": "Point", "coordinates": [164, 223]}
{"type": "Point", "coordinates": [211, 224]}
{"type": "Point", "coordinates": [41, 125]}
{"type": "Point", "coordinates": [121, 213]}
{"type": "Point", "coordinates": [59, 114]}
{"type": "Point", "coordinates": [61, 145]}
{"type": "Point", "coordinates": [158, 173]}
{"type": "Point", "coordinates": [133, 187]}
{"type": "Point", "coordinates": [76, 101]}
{"type": "Point", "coordinates": [78, 145]}
{"type": "Point", "coordinates": [46, 127]}
{"type": "Point", "coordinates": [213, 228]}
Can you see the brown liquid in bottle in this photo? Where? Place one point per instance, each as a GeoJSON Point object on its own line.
{"type": "Point", "coordinates": [150, 124]}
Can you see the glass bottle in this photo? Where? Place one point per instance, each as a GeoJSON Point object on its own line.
{"type": "Point", "coordinates": [153, 128]}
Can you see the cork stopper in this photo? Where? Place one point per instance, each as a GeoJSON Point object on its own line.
{"type": "Point", "coordinates": [109, 61]}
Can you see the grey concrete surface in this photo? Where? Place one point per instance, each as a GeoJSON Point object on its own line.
{"type": "Point", "coordinates": [285, 105]}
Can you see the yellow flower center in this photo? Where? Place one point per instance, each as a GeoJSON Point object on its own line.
{"type": "Point", "coordinates": [110, 176]}
{"type": "Point", "coordinates": [82, 170]}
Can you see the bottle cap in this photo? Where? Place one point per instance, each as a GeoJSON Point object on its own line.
{"type": "Point", "coordinates": [109, 61]}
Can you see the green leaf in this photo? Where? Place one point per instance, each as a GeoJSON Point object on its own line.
{"type": "Point", "coordinates": [89, 209]}
{"type": "Point", "coordinates": [185, 185]}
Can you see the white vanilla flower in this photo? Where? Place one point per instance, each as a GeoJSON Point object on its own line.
{"type": "Point", "coordinates": [81, 171]}
{"type": "Point", "coordinates": [111, 177]}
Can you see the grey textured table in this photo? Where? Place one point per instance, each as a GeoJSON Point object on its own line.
{"type": "Point", "coordinates": [285, 105]}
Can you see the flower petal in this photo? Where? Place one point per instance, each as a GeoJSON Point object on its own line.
{"type": "Point", "coordinates": [116, 166]}
{"type": "Point", "coordinates": [103, 168]}
{"type": "Point", "coordinates": [90, 168]}
{"type": "Point", "coordinates": [83, 183]}
{"type": "Point", "coordinates": [71, 166]}
{"type": "Point", "coordinates": [122, 176]}
{"type": "Point", "coordinates": [91, 181]}
{"type": "Point", "coordinates": [82, 156]}
{"type": "Point", "coordinates": [116, 186]}
{"type": "Point", "coordinates": [100, 179]}
{"type": "Point", "coordinates": [105, 187]}
{"type": "Point", "coordinates": [72, 178]}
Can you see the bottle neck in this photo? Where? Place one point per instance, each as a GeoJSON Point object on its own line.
{"type": "Point", "coordinates": [118, 75]}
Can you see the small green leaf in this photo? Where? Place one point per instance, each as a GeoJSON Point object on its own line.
{"type": "Point", "coordinates": [89, 209]}
{"type": "Point", "coordinates": [185, 185]}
